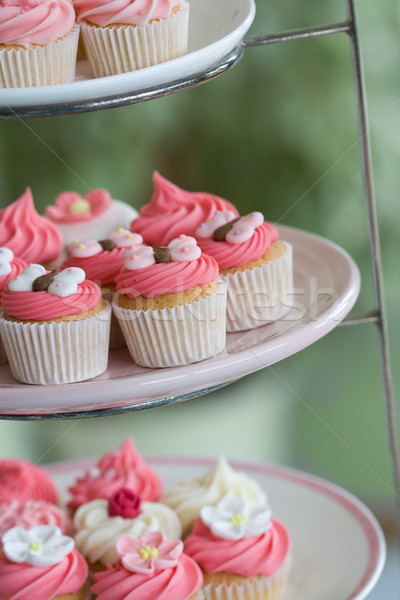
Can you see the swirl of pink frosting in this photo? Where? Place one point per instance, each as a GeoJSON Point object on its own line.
{"type": "Point", "coordinates": [167, 278]}
{"type": "Point", "coordinates": [122, 468]}
{"type": "Point", "coordinates": [125, 12]}
{"type": "Point", "coordinates": [31, 237]}
{"type": "Point", "coordinates": [22, 480]}
{"type": "Point", "coordinates": [43, 306]}
{"type": "Point", "coordinates": [181, 581]}
{"type": "Point", "coordinates": [235, 255]}
{"type": "Point", "coordinates": [35, 22]}
{"type": "Point", "coordinates": [262, 555]}
{"type": "Point", "coordinates": [31, 513]}
{"type": "Point", "coordinates": [20, 580]}
{"type": "Point", "coordinates": [17, 266]}
{"type": "Point", "coordinates": [103, 267]}
{"type": "Point", "coordinates": [173, 211]}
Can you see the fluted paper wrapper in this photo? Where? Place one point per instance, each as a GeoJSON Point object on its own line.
{"type": "Point", "coordinates": [51, 353]}
{"type": "Point", "coordinates": [40, 65]}
{"type": "Point", "coordinates": [123, 48]}
{"type": "Point", "coordinates": [175, 336]}
{"type": "Point", "coordinates": [260, 295]}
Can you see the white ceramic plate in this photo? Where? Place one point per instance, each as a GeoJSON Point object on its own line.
{"type": "Point", "coordinates": [327, 283]}
{"type": "Point", "coordinates": [216, 27]}
{"type": "Point", "coordinates": [337, 545]}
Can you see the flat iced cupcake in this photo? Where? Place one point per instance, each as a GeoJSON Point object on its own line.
{"type": "Point", "coordinates": [90, 217]}
{"type": "Point", "coordinates": [31, 513]}
{"type": "Point", "coordinates": [173, 211]}
{"type": "Point", "coordinates": [256, 266]}
{"type": "Point", "coordinates": [10, 267]}
{"type": "Point", "coordinates": [170, 305]}
{"type": "Point", "coordinates": [38, 42]}
{"type": "Point", "coordinates": [63, 317]}
{"type": "Point", "coordinates": [187, 498]}
{"type": "Point", "coordinates": [242, 551]}
{"type": "Point", "coordinates": [151, 568]}
{"type": "Point", "coordinates": [31, 237]}
{"type": "Point", "coordinates": [99, 524]}
{"type": "Point", "coordinates": [21, 480]}
{"type": "Point", "coordinates": [121, 468]}
{"type": "Point", "coordinates": [41, 564]}
{"type": "Point", "coordinates": [131, 34]}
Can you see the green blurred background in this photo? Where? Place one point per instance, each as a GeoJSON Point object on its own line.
{"type": "Point", "coordinates": [277, 133]}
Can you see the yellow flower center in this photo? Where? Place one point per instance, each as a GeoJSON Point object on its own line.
{"type": "Point", "coordinates": [120, 229]}
{"type": "Point", "coordinates": [148, 552]}
{"type": "Point", "coordinates": [79, 206]}
{"type": "Point", "coordinates": [238, 519]}
{"type": "Point", "coordinates": [36, 547]}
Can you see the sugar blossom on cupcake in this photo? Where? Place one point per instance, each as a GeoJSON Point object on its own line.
{"type": "Point", "coordinates": [149, 568]}
{"type": "Point", "coordinates": [71, 207]}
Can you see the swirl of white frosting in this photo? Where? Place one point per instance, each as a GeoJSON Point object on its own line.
{"type": "Point", "coordinates": [97, 532]}
{"type": "Point", "coordinates": [188, 497]}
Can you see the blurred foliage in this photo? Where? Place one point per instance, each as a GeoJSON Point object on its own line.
{"type": "Point", "coordinates": [277, 133]}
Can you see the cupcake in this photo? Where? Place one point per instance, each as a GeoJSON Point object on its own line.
{"type": "Point", "coordinates": [90, 217]}
{"type": "Point", "coordinates": [99, 524]}
{"type": "Point", "coordinates": [31, 237]}
{"type": "Point", "coordinates": [38, 42]}
{"type": "Point", "coordinates": [173, 211]}
{"type": "Point", "coordinates": [102, 261]}
{"type": "Point", "coordinates": [122, 468]}
{"type": "Point", "coordinates": [31, 513]}
{"type": "Point", "coordinates": [242, 551]}
{"type": "Point", "coordinates": [41, 563]}
{"type": "Point", "coordinates": [170, 305]}
{"type": "Point", "coordinates": [256, 266]}
{"type": "Point", "coordinates": [151, 568]}
{"type": "Point", "coordinates": [187, 498]}
{"type": "Point", "coordinates": [10, 267]}
{"type": "Point", "coordinates": [124, 36]}
{"type": "Point", "coordinates": [21, 480]}
{"type": "Point", "coordinates": [63, 318]}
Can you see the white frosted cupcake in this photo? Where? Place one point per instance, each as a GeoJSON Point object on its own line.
{"type": "Point", "coordinates": [55, 327]}
{"type": "Point", "coordinates": [125, 35]}
{"type": "Point", "coordinates": [187, 498]}
{"type": "Point", "coordinates": [101, 523]}
{"type": "Point", "coordinates": [38, 43]}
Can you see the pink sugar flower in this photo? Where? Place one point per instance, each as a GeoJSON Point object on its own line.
{"type": "Point", "coordinates": [152, 552]}
{"type": "Point", "coordinates": [70, 207]}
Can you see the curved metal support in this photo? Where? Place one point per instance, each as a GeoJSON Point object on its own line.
{"type": "Point", "coordinates": [297, 34]}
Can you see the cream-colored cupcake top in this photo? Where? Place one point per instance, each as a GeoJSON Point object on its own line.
{"type": "Point", "coordinates": [97, 532]}
{"type": "Point", "coordinates": [189, 497]}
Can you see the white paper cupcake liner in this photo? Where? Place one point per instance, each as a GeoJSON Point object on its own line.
{"type": "Point", "coordinates": [123, 48]}
{"type": "Point", "coordinates": [175, 336]}
{"type": "Point", "coordinates": [40, 65]}
{"type": "Point", "coordinates": [51, 353]}
{"type": "Point", "coordinates": [260, 295]}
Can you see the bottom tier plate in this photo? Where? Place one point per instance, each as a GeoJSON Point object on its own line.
{"type": "Point", "coordinates": [337, 545]}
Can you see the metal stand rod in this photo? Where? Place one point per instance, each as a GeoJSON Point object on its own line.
{"type": "Point", "coordinates": [297, 34]}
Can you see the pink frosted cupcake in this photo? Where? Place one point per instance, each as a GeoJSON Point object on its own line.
{"type": "Point", "coordinates": [170, 304]}
{"type": "Point", "coordinates": [242, 551]}
{"type": "Point", "coordinates": [256, 266]}
{"type": "Point", "coordinates": [41, 563]}
{"type": "Point", "coordinates": [130, 34]}
{"type": "Point", "coordinates": [31, 513]}
{"type": "Point", "coordinates": [31, 237]}
{"type": "Point", "coordinates": [122, 468]}
{"type": "Point", "coordinates": [151, 568]}
{"type": "Point", "coordinates": [38, 42]}
{"type": "Point", "coordinates": [22, 481]}
{"type": "Point", "coordinates": [63, 317]}
{"type": "Point", "coordinates": [10, 267]}
{"type": "Point", "coordinates": [173, 211]}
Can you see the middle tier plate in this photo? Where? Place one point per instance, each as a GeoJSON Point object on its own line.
{"type": "Point", "coordinates": [326, 287]}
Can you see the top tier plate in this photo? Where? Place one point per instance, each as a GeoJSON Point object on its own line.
{"type": "Point", "coordinates": [216, 30]}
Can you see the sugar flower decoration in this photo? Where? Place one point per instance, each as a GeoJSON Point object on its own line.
{"type": "Point", "coordinates": [41, 546]}
{"type": "Point", "coordinates": [234, 519]}
{"type": "Point", "coordinates": [6, 257]}
{"type": "Point", "coordinates": [151, 553]}
{"type": "Point", "coordinates": [70, 207]}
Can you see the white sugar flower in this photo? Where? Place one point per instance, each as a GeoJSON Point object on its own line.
{"type": "Point", "coordinates": [234, 519]}
{"type": "Point", "coordinates": [40, 546]}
